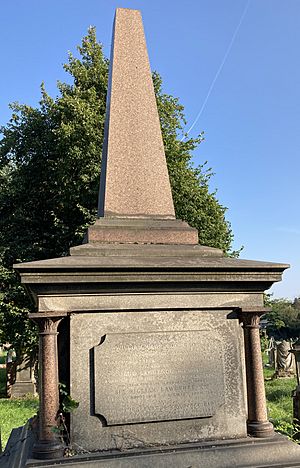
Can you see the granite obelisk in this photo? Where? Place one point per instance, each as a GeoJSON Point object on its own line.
{"type": "Point", "coordinates": [135, 198]}
{"type": "Point", "coordinates": [134, 176]}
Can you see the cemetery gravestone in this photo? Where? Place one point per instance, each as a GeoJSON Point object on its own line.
{"type": "Point", "coordinates": [24, 380]}
{"type": "Point", "coordinates": [160, 335]}
{"type": "Point", "coordinates": [285, 361]}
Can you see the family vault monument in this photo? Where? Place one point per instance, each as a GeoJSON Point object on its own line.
{"type": "Point", "coordinates": [158, 337]}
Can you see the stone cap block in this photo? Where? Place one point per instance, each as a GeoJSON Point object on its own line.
{"type": "Point", "coordinates": [141, 231]}
{"type": "Point", "coordinates": [158, 251]}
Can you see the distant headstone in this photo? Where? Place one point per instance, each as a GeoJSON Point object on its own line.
{"type": "Point", "coordinates": [10, 370]}
{"type": "Point", "coordinates": [271, 351]}
{"type": "Point", "coordinates": [24, 380]}
{"type": "Point", "coordinates": [296, 393]}
{"type": "Point", "coordinates": [285, 361]}
{"type": "Point", "coordinates": [11, 355]}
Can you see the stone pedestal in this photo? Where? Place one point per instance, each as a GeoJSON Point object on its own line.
{"type": "Point", "coordinates": [156, 376]}
{"type": "Point", "coordinates": [163, 352]}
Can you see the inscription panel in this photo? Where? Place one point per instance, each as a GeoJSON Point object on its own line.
{"type": "Point", "coordinates": [159, 376]}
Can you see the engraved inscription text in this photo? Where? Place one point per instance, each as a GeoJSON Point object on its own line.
{"type": "Point", "coordinates": [143, 377]}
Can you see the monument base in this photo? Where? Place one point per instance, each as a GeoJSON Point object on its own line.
{"type": "Point", "coordinates": [277, 451]}
{"type": "Point", "coordinates": [20, 389]}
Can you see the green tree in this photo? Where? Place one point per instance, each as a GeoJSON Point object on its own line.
{"type": "Point", "coordinates": [49, 173]}
{"type": "Point", "coordinates": [193, 200]}
{"type": "Point", "coordinates": [284, 318]}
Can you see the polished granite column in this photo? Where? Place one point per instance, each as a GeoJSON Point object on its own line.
{"type": "Point", "coordinates": [257, 423]}
{"type": "Point", "coordinates": [48, 446]}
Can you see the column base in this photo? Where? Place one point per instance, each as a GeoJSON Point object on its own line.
{"type": "Point", "coordinates": [48, 450]}
{"type": "Point", "coordinates": [260, 429]}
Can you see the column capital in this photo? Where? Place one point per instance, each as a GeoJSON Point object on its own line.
{"type": "Point", "coordinates": [250, 316]}
{"type": "Point", "coordinates": [47, 324]}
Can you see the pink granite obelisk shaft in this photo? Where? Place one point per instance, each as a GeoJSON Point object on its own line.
{"type": "Point", "coordinates": [134, 176]}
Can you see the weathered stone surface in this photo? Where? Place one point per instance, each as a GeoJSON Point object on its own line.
{"type": "Point", "coordinates": [134, 176]}
{"type": "Point", "coordinates": [183, 377]}
{"type": "Point", "coordinates": [25, 381]}
{"type": "Point", "coordinates": [145, 301]}
{"type": "Point", "coordinates": [97, 249]}
{"type": "Point", "coordinates": [140, 231]}
{"type": "Point", "coordinates": [146, 267]}
{"type": "Point", "coordinates": [243, 453]}
{"type": "Point", "coordinates": [217, 330]}
{"type": "Point", "coordinates": [190, 257]}
{"type": "Point", "coordinates": [19, 447]}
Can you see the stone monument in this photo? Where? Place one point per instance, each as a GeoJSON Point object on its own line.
{"type": "Point", "coordinates": [24, 380]}
{"type": "Point", "coordinates": [160, 334]}
{"type": "Point", "coordinates": [285, 361]}
{"type": "Point", "coordinates": [296, 393]}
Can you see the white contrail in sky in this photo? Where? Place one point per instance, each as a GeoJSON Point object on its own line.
{"type": "Point", "coordinates": [219, 69]}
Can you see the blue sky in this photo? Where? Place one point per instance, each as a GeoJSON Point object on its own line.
{"type": "Point", "coordinates": [252, 117]}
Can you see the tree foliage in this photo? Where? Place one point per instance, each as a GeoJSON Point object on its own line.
{"type": "Point", "coordinates": [49, 174]}
{"type": "Point", "coordinates": [193, 200]}
{"type": "Point", "coordinates": [284, 318]}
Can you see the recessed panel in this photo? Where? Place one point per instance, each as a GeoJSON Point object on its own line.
{"type": "Point", "coordinates": [160, 376]}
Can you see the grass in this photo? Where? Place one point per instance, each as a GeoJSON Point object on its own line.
{"type": "Point", "coordinates": [2, 382]}
{"type": "Point", "coordinates": [280, 403]}
{"type": "Point", "coordinates": [279, 399]}
{"type": "Point", "coordinates": [14, 413]}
